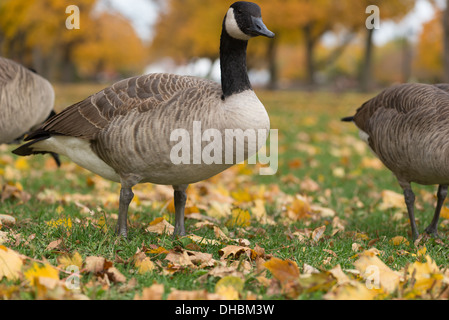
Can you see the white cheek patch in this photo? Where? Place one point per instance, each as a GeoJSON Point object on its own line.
{"type": "Point", "coordinates": [233, 28]}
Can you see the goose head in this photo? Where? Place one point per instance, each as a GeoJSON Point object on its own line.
{"type": "Point", "coordinates": [243, 21]}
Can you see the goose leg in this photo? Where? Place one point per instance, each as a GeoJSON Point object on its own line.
{"type": "Point", "coordinates": [432, 229]}
{"type": "Point", "coordinates": [409, 197]}
{"type": "Point", "coordinates": [180, 202]}
{"type": "Point", "coordinates": [126, 196]}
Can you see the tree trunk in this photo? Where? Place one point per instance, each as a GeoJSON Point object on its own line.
{"type": "Point", "coordinates": [446, 41]}
{"type": "Point", "coordinates": [272, 63]}
{"type": "Point", "coordinates": [310, 42]}
{"type": "Point", "coordinates": [407, 57]}
{"type": "Point", "coordinates": [366, 71]}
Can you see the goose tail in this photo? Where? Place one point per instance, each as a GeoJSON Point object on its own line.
{"type": "Point", "coordinates": [348, 119]}
{"type": "Point", "coordinates": [28, 150]}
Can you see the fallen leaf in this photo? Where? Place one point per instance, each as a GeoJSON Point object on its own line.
{"type": "Point", "coordinates": [398, 240]}
{"type": "Point", "coordinates": [299, 208]}
{"type": "Point", "coordinates": [351, 291]}
{"type": "Point", "coordinates": [36, 272]}
{"type": "Point", "coordinates": [376, 273]}
{"type": "Point", "coordinates": [193, 295]}
{"type": "Point", "coordinates": [10, 263]}
{"type": "Point", "coordinates": [229, 287]}
{"type": "Point", "coordinates": [160, 226]}
{"type": "Point", "coordinates": [239, 218]}
{"type": "Point", "coordinates": [236, 252]}
{"type": "Point", "coordinates": [318, 233]}
{"type": "Point", "coordinates": [283, 270]}
{"type": "Point", "coordinates": [74, 260]}
{"type": "Point", "coordinates": [155, 292]}
{"type": "Point", "coordinates": [53, 245]}
{"type": "Point", "coordinates": [391, 199]}
{"type": "Point", "coordinates": [7, 220]}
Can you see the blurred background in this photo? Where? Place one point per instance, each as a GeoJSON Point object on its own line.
{"type": "Point", "coordinates": [320, 44]}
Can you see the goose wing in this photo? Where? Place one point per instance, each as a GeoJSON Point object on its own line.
{"type": "Point", "coordinates": [87, 118]}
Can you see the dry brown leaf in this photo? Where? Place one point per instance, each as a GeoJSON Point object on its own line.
{"type": "Point", "coordinates": [95, 264]}
{"type": "Point", "coordinates": [391, 199]}
{"type": "Point", "coordinates": [160, 226]}
{"type": "Point", "coordinates": [236, 252]}
{"type": "Point", "coordinates": [318, 233]}
{"type": "Point", "coordinates": [7, 220]}
{"type": "Point", "coordinates": [193, 295]}
{"type": "Point", "coordinates": [53, 245]}
{"type": "Point", "coordinates": [155, 292]}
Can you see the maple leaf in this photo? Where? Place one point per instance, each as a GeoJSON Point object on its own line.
{"type": "Point", "coordinates": [236, 252]}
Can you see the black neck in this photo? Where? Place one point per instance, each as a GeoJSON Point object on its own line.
{"type": "Point", "coordinates": [234, 74]}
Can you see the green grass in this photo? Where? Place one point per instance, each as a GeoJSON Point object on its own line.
{"type": "Point", "coordinates": [310, 133]}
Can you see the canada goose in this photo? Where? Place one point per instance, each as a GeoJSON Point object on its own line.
{"type": "Point", "coordinates": [26, 100]}
{"type": "Point", "coordinates": [407, 127]}
{"type": "Point", "coordinates": [123, 133]}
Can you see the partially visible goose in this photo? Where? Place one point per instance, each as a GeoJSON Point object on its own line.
{"type": "Point", "coordinates": [122, 133]}
{"type": "Point", "coordinates": [407, 127]}
{"type": "Point", "coordinates": [26, 100]}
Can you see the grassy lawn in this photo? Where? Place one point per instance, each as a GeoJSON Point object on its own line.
{"type": "Point", "coordinates": [327, 180]}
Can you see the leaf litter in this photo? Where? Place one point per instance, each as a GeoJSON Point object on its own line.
{"type": "Point", "coordinates": [240, 267]}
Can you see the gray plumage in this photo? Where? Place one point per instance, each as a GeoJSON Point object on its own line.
{"type": "Point", "coordinates": [124, 132]}
{"type": "Point", "coordinates": [26, 100]}
{"type": "Point", "coordinates": [407, 127]}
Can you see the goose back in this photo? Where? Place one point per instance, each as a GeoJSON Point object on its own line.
{"type": "Point", "coordinates": [408, 128]}
{"type": "Point", "coordinates": [26, 100]}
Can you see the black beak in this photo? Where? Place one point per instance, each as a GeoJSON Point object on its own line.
{"type": "Point", "coordinates": [259, 29]}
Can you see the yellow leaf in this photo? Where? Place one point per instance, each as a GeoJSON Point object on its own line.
{"type": "Point", "coordinates": [391, 199]}
{"type": "Point", "coordinates": [242, 196]}
{"type": "Point", "coordinates": [145, 265]}
{"type": "Point", "coordinates": [74, 260]}
{"type": "Point", "coordinates": [229, 287]}
{"type": "Point", "coordinates": [10, 263]}
{"type": "Point", "coordinates": [283, 270]}
{"type": "Point", "coordinates": [101, 223]}
{"type": "Point", "coordinates": [398, 240]}
{"type": "Point", "coordinates": [21, 164]}
{"type": "Point", "coordinates": [351, 291]}
{"type": "Point", "coordinates": [239, 218]}
{"type": "Point", "coordinates": [376, 273]}
{"type": "Point", "coordinates": [444, 212]}
{"type": "Point", "coordinates": [299, 208]}
{"type": "Point", "coordinates": [159, 250]}
{"type": "Point", "coordinates": [427, 275]}
{"type": "Point", "coordinates": [36, 272]}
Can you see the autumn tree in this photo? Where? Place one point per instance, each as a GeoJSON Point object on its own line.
{"type": "Point", "coordinates": [35, 34]}
{"type": "Point", "coordinates": [429, 62]}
